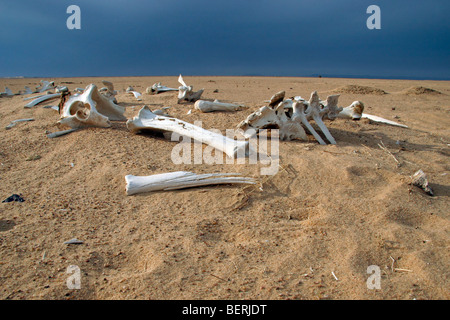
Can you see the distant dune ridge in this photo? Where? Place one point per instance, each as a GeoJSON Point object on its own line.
{"type": "Point", "coordinates": [420, 90]}
{"type": "Point", "coordinates": [356, 89]}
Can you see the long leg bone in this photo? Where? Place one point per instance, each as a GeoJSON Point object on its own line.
{"type": "Point", "coordinates": [209, 106]}
{"type": "Point", "coordinates": [90, 109]}
{"type": "Point", "coordinates": [147, 120]}
{"type": "Point", "coordinates": [180, 180]}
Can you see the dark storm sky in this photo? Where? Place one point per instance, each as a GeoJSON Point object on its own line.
{"type": "Point", "coordinates": [215, 37]}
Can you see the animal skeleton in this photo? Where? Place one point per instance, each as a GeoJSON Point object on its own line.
{"type": "Point", "coordinates": [289, 115]}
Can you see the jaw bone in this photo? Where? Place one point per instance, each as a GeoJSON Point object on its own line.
{"type": "Point", "coordinates": [355, 112]}
{"type": "Point", "coordinates": [209, 106]}
{"type": "Point", "coordinates": [180, 180]}
{"type": "Point", "coordinates": [157, 88]}
{"type": "Point", "coordinates": [186, 92]}
{"type": "Point", "coordinates": [147, 120]}
{"type": "Point", "coordinates": [289, 115]}
{"type": "Point", "coordinates": [90, 109]}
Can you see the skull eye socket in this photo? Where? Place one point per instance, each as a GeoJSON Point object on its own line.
{"type": "Point", "coordinates": [81, 110]}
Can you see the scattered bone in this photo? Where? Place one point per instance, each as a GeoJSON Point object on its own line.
{"type": "Point", "coordinates": [382, 120]}
{"type": "Point", "coordinates": [147, 120]}
{"type": "Point", "coordinates": [419, 179]}
{"type": "Point", "coordinates": [186, 92]}
{"type": "Point", "coordinates": [289, 115]}
{"type": "Point", "coordinates": [209, 106]}
{"type": "Point", "coordinates": [7, 93]}
{"type": "Point", "coordinates": [27, 90]}
{"type": "Point", "coordinates": [158, 87]}
{"type": "Point", "coordinates": [60, 89]}
{"type": "Point", "coordinates": [60, 133]}
{"type": "Point", "coordinates": [78, 90]}
{"type": "Point", "coordinates": [91, 109]}
{"type": "Point", "coordinates": [355, 112]}
{"type": "Point", "coordinates": [41, 99]}
{"type": "Point", "coordinates": [74, 241]}
{"type": "Point", "coordinates": [180, 180]}
{"type": "Point", "coordinates": [45, 86]}
{"type": "Point", "coordinates": [14, 122]}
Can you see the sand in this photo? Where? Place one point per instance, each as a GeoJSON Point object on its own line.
{"type": "Point", "coordinates": [308, 232]}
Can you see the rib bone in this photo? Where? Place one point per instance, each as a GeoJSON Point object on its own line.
{"type": "Point", "coordinates": [147, 120]}
{"type": "Point", "coordinates": [180, 180]}
{"type": "Point", "coordinates": [289, 115]}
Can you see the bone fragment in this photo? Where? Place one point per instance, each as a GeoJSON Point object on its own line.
{"type": "Point", "coordinates": [180, 180]}
{"type": "Point", "coordinates": [158, 87]}
{"type": "Point", "coordinates": [419, 179]}
{"type": "Point", "coordinates": [210, 106]}
{"type": "Point", "coordinates": [14, 122]}
{"type": "Point", "coordinates": [60, 133]}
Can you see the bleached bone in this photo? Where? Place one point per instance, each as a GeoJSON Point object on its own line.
{"type": "Point", "coordinates": [355, 112]}
{"type": "Point", "coordinates": [7, 92]}
{"type": "Point", "coordinates": [180, 180]}
{"type": "Point", "coordinates": [90, 109]}
{"type": "Point", "coordinates": [59, 89]}
{"type": "Point", "coordinates": [60, 133]}
{"type": "Point", "coordinates": [209, 106]}
{"type": "Point", "coordinates": [45, 85]}
{"type": "Point", "coordinates": [14, 122]}
{"type": "Point", "coordinates": [158, 87]}
{"type": "Point", "coordinates": [186, 92]}
{"type": "Point", "coordinates": [289, 116]}
{"type": "Point", "coordinates": [41, 99]}
{"type": "Point", "coordinates": [136, 94]}
{"type": "Point", "coordinates": [147, 120]}
{"type": "Point", "coordinates": [27, 90]}
{"type": "Point", "coordinates": [419, 179]}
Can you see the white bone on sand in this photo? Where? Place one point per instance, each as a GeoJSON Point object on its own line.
{"type": "Point", "coordinates": [355, 112]}
{"type": "Point", "coordinates": [186, 92]}
{"type": "Point", "coordinates": [147, 120]}
{"type": "Point", "coordinates": [41, 99]}
{"type": "Point", "coordinates": [289, 115]}
{"type": "Point", "coordinates": [210, 106]}
{"type": "Point", "coordinates": [180, 180]}
{"type": "Point", "coordinates": [158, 87]}
{"type": "Point", "coordinates": [90, 109]}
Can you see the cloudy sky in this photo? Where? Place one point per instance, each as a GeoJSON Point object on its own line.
{"type": "Point", "coordinates": [225, 37]}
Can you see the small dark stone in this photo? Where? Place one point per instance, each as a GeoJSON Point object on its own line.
{"type": "Point", "coordinates": [14, 197]}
